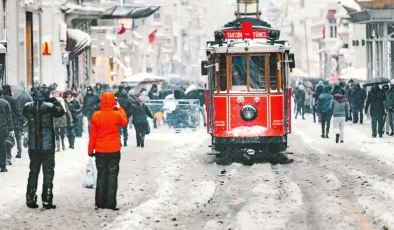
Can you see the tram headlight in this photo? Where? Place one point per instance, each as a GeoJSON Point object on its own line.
{"type": "Point", "coordinates": [240, 100]}
{"type": "Point", "coordinates": [249, 113]}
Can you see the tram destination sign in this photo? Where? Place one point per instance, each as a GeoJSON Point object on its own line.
{"type": "Point", "coordinates": [237, 34]}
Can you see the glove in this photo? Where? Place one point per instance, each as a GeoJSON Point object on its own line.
{"type": "Point", "coordinates": [11, 134]}
{"type": "Point", "coordinates": [92, 155]}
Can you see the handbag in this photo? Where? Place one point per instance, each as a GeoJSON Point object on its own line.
{"type": "Point", "coordinates": [10, 141]}
{"type": "Point", "coordinates": [147, 129]}
{"type": "Point", "coordinates": [89, 180]}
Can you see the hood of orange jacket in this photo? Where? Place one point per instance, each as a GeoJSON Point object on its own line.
{"type": "Point", "coordinates": [107, 101]}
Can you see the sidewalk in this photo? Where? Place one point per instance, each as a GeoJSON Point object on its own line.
{"type": "Point", "coordinates": [358, 137]}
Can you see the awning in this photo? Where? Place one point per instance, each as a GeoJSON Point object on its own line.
{"type": "Point", "coordinates": [369, 16]}
{"type": "Point", "coordinates": [77, 42]}
{"type": "Point", "coordinates": [129, 11]}
{"type": "Point", "coordinates": [331, 14]}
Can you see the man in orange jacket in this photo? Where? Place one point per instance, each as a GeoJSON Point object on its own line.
{"type": "Point", "coordinates": [104, 144]}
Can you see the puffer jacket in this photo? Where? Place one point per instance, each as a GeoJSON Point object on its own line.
{"type": "Point", "coordinates": [40, 115]}
{"type": "Point", "coordinates": [6, 124]}
{"type": "Point", "coordinates": [376, 99]}
{"type": "Point", "coordinates": [140, 112]}
{"type": "Point", "coordinates": [125, 102]}
{"type": "Point", "coordinates": [104, 133]}
{"type": "Point", "coordinates": [90, 104]}
{"type": "Point", "coordinates": [340, 106]}
{"type": "Point", "coordinates": [65, 120]}
{"type": "Point", "coordinates": [324, 101]}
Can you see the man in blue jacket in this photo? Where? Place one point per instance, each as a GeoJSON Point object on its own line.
{"type": "Point", "coordinates": [323, 107]}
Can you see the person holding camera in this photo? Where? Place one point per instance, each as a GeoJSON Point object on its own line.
{"type": "Point", "coordinates": [41, 147]}
{"type": "Point", "coordinates": [105, 145]}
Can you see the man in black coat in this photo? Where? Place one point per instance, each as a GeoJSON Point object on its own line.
{"type": "Point", "coordinates": [6, 129]}
{"type": "Point", "coordinates": [40, 114]}
{"type": "Point", "coordinates": [376, 98]}
{"type": "Point", "coordinates": [91, 103]}
{"type": "Point", "coordinates": [126, 103]}
{"type": "Point", "coordinates": [17, 119]}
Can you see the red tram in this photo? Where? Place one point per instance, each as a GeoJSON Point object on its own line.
{"type": "Point", "coordinates": [248, 90]}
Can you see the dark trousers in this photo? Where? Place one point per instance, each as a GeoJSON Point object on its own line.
{"type": "Point", "coordinates": [300, 109]}
{"type": "Point", "coordinates": [47, 160]}
{"type": "Point", "coordinates": [107, 179]}
{"type": "Point", "coordinates": [3, 152]}
{"type": "Point", "coordinates": [71, 135]}
{"type": "Point", "coordinates": [18, 139]}
{"type": "Point", "coordinates": [377, 123]}
{"type": "Point", "coordinates": [123, 131]}
{"type": "Point", "coordinates": [89, 121]}
{"type": "Point", "coordinates": [78, 128]}
{"type": "Point", "coordinates": [60, 133]}
{"type": "Point", "coordinates": [314, 113]}
{"type": "Point", "coordinates": [140, 131]}
{"type": "Point", "coordinates": [325, 123]}
{"type": "Point", "coordinates": [357, 113]}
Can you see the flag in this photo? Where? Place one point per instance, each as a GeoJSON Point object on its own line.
{"type": "Point", "coordinates": [324, 31]}
{"type": "Point", "coordinates": [152, 36]}
{"type": "Point", "coordinates": [122, 30]}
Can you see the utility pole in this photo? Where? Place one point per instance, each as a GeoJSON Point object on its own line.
{"type": "Point", "coordinates": [307, 49]}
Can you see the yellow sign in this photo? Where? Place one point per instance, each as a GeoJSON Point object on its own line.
{"type": "Point", "coordinates": [46, 48]}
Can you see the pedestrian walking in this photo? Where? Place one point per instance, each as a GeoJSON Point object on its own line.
{"type": "Point", "coordinates": [61, 123]}
{"type": "Point", "coordinates": [105, 145]}
{"type": "Point", "coordinates": [78, 123]}
{"type": "Point", "coordinates": [357, 98]}
{"type": "Point", "coordinates": [375, 101]}
{"type": "Point", "coordinates": [127, 105]}
{"type": "Point", "coordinates": [17, 119]}
{"type": "Point", "coordinates": [90, 105]}
{"type": "Point", "coordinates": [76, 114]}
{"type": "Point", "coordinates": [6, 129]}
{"type": "Point", "coordinates": [390, 106]}
{"type": "Point", "coordinates": [140, 114]}
{"type": "Point", "coordinates": [340, 108]}
{"type": "Point", "coordinates": [323, 108]}
{"type": "Point", "coordinates": [40, 114]}
{"type": "Point", "coordinates": [300, 101]}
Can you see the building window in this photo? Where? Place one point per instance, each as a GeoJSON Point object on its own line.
{"type": "Point", "coordinates": [156, 15]}
{"type": "Point", "coordinates": [335, 31]}
{"type": "Point", "coordinates": [331, 32]}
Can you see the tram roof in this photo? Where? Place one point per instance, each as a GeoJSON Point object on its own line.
{"type": "Point", "coordinates": [248, 46]}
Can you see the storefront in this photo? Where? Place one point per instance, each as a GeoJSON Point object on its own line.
{"type": "Point", "coordinates": [379, 40]}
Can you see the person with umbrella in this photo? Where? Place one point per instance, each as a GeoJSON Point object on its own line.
{"type": "Point", "coordinates": [357, 97]}
{"type": "Point", "coordinates": [375, 99]}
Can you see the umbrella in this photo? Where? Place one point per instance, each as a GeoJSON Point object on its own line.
{"type": "Point", "coordinates": [334, 79]}
{"type": "Point", "coordinates": [21, 96]}
{"type": "Point", "coordinates": [171, 87]}
{"type": "Point", "coordinates": [196, 93]}
{"type": "Point", "coordinates": [376, 80]}
{"type": "Point", "coordinates": [192, 88]}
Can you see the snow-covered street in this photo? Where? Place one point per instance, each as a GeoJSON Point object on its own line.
{"type": "Point", "coordinates": [173, 184]}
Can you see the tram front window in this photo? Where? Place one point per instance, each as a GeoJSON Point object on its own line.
{"type": "Point", "coordinates": [257, 72]}
{"type": "Point", "coordinates": [239, 74]}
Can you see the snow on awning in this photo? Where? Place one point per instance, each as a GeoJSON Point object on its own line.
{"type": "Point", "coordinates": [128, 11]}
{"type": "Point", "coordinates": [77, 42]}
{"type": "Point", "coordinates": [3, 50]}
{"type": "Point", "coordinates": [70, 8]}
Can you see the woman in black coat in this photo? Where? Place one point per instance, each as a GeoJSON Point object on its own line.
{"type": "Point", "coordinates": [140, 114]}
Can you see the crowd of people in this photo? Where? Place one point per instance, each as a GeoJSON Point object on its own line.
{"type": "Point", "coordinates": [346, 101]}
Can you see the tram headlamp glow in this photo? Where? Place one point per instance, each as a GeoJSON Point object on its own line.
{"type": "Point", "coordinates": [240, 100]}
{"type": "Point", "coordinates": [249, 113]}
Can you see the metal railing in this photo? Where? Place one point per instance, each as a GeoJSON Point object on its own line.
{"type": "Point", "coordinates": [176, 114]}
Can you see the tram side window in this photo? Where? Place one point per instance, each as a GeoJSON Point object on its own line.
{"type": "Point", "coordinates": [257, 72]}
{"type": "Point", "coordinates": [239, 73]}
{"type": "Point", "coordinates": [223, 72]}
{"type": "Point", "coordinates": [273, 72]}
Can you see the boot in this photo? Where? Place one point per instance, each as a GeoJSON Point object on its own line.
{"type": "Point", "coordinates": [31, 199]}
{"type": "Point", "coordinates": [63, 145]}
{"type": "Point", "coordinates": [125, 143]}
{"type": "Point", "coordinates": [47, 198]}
{"type": "Point", "coordinates": [142, 143]}
{"type": "Point", "coordinates": [19, 155]}
{"type": "Point", "coordinates": [138, 143]}
{"type": "Point", "coordinates": [3, 169]}
{"type": "Point", "coordinates": [337, 138]}
{"type": "Point", "coordinates": [57, 146]}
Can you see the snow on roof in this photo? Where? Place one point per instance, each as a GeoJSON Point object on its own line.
{"type": "Point", "coordinates": [71, 7]}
